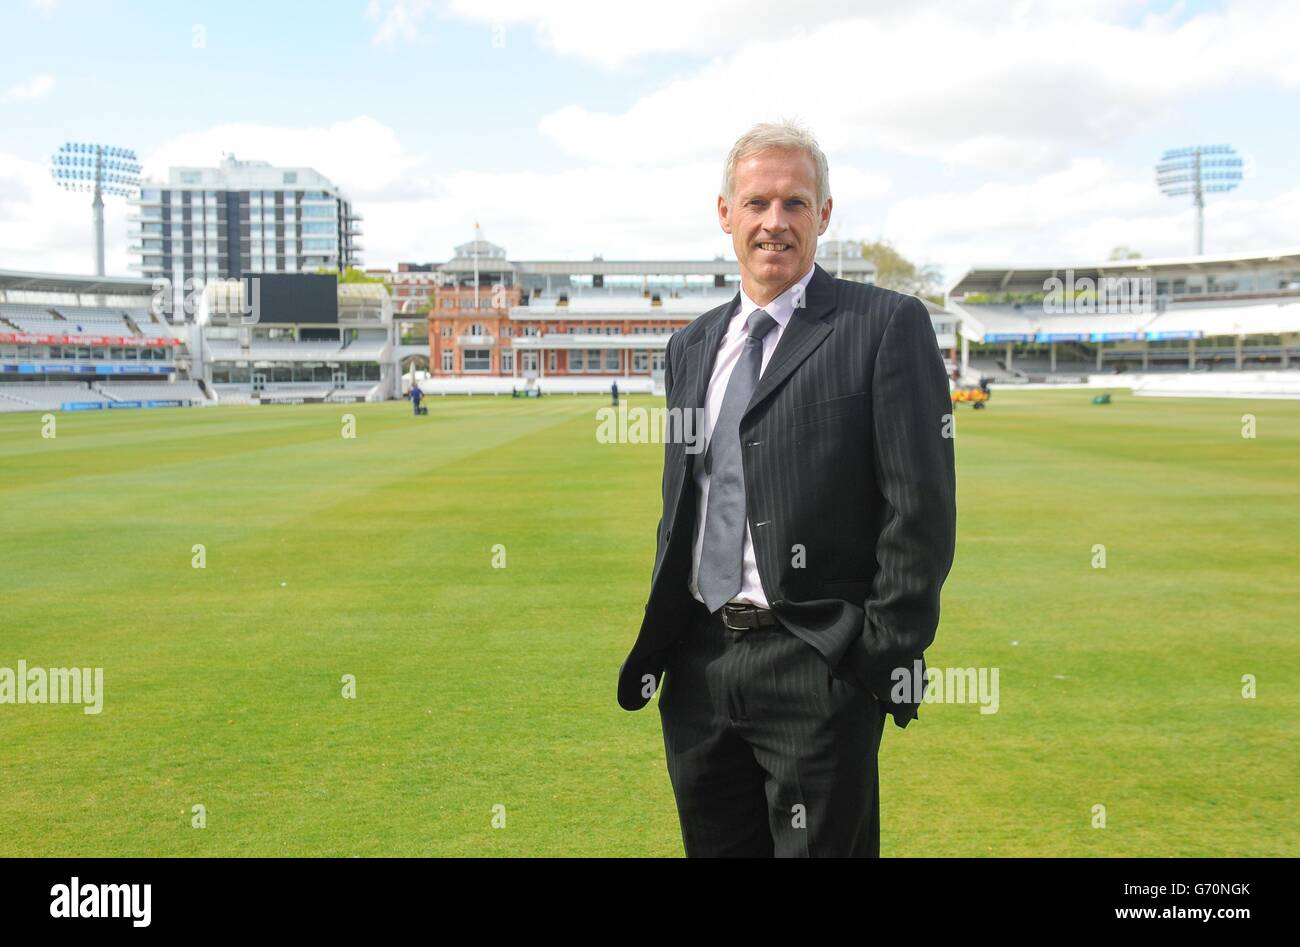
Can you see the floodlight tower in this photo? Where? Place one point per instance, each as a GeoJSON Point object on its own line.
{"type": "Point", "coordinates": [1198, 171]}
{"type": "Point", "coordinates": [99, 169]}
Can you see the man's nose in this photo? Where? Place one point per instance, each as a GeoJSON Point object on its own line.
{"type": "Point", "coordinates": [774, 221]}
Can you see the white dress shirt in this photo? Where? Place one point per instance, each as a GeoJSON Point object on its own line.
{"type": "Point", "coordinates": [781, 309]}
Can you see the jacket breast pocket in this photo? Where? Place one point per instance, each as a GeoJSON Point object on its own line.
{"type": "Point", "coordinates": [838, 407]}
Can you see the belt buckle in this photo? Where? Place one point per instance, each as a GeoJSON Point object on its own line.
{"type": "Point", "coordinates": [747, 623]}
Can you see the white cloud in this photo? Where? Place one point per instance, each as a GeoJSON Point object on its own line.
{"type": "Point", "coordinates": [45, 228]}
{"type": "Point", "coordinates": [398, 20]}
{"type": "Point", "coordinates": [359, 154]}
{"type": "Point", "coordinates": [612, 35]}
{"type": "Point", "coordinates": [965, 84]}
{"type": "Point", "coordinates": [413, 214]}
{"type": "Point", "coordinates": [1080, 214]}
{"type": "Point", "coordinates": [666, 212]}
{"type": "Point", "coordinates": [616, 35]}
{"type": "Point", "coordinates": [1029, 90]}
{"type": "Point", "coordinates": [656, 213]}
{"type": "Point", "coordinates": [1096, 35]}
{"type": "Point", "coordinates": [1020, 90]}
{"type": "Point", "coordinates": [29, 90]}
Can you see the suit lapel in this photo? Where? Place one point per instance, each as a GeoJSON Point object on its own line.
{"type": "Point", "coordinates": [705, 353]}
{"type": "Point", "coordinates": [806, 330]}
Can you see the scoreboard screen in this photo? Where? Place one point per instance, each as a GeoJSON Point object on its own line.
{"type": "Point", "coordinates": [298, 298]}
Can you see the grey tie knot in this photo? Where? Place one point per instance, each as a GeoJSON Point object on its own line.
{"type": "Point", "coordinates": [759, 324]}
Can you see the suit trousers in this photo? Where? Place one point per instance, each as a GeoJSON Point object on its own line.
{"type": "Point", "coordinates": [768, 753]}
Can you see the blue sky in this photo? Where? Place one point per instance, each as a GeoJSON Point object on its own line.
{"type": "Point", "coordinates": [979, 132]}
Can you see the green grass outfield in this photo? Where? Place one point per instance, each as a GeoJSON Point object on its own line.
{"type": "Point", "coordinates": [480, 687]}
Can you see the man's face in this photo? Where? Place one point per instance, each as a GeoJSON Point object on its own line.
{"type": "Point", "coordinates": [773, 218]}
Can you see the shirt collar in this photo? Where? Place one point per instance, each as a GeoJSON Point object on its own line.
{"type": "Point", "coordinates": [780, 309]}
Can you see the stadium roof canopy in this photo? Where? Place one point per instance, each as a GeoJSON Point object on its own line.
{"type": "Point", "coordinates": [1009, 324]}
{"type": "Point", "coordinates": [1030, 278]}
{"type": "Point", "coordinates": [73, 284]}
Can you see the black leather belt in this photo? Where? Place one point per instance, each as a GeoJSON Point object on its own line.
{"type": "Point", "coordinates": [746, 617]}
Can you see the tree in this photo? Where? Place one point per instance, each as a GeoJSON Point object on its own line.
{"type": "Point", "coordinates": [894, 271]}
{"type": "Point", "coordinates": [350, 275]}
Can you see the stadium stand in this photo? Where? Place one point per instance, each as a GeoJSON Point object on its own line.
{"type": "Point", "coordinates": [153, 330]}
{"type": "Point", "coordinates": [557, 385]}
{"type": "Point", "coordinates": [26, 311]}
{"type": "Point", "coordinates": [48, 396]}
{"type": "Point", "coordinates": [1190, 316]}
{"type": "Point", "coordinates": [273, 393]}
{"type": "Point", "coordinates": [152, 391]}
{"type": "Point", "coordinates": [234, 395]}
{"type": "Point", "coordinates": [65, 337]}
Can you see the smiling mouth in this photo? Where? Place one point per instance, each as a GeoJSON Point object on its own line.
{"type": "Point", "coordinates": [774, 247]}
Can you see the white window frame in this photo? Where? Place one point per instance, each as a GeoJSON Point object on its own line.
{"type": "Point", "coordinates": [464, 361]}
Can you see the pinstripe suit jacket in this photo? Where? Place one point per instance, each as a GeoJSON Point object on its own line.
{"type": "Point", "coordinates": [849, 486]}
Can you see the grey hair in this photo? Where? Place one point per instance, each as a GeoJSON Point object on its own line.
{"type": "Point", "coordinates": [786, 134]}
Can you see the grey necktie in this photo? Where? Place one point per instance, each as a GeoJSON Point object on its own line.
{"type": "Point", "coordinates": [724, 518]}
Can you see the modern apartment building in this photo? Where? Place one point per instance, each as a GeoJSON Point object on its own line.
{"type": "Point", "coordinates": [241, 217]}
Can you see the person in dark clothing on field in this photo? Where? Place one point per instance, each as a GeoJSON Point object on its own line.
{"type": "Point", "coordinates": [824, 410]}
{"type": "Point", "coordinates": [416, 395]}
{"type": "Point", "coordinates": [613, 390]}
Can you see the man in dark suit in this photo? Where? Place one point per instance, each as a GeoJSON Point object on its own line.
{"type": "Point", "coordinates": [801, 553]}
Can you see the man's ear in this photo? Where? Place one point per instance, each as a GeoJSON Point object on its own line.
{"type": "Point", "coordinates": [724, 214]}
{"type": "Point", "coordinates": [825, 218]}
